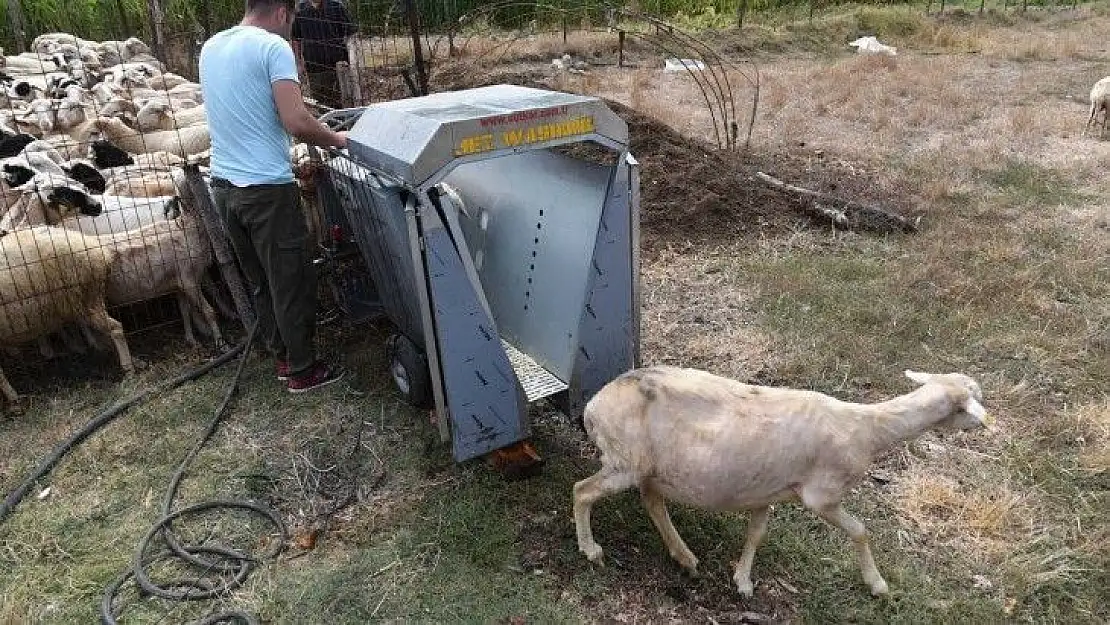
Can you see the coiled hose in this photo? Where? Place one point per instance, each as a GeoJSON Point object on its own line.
{"type": "Point", "coordinates": [209, 558]}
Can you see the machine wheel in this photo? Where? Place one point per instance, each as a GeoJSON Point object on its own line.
{"type": "Point", "coordinates": [409, 369]}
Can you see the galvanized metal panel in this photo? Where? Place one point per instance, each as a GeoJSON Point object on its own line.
{"type": "Point", "coordinates": [607, 336]}
{"type": "Point", "coordinates": [541, 212]}
{"type": "Point", "coordinates": [376, 215]}
{"type": "Point", "coordinates": [485, 403]}
{"type": "Point", "coordinates": [634, 215]}
{"type": "Point", "coordinates": [415, 138]}
{"type": "Point", "coordinates": [427, 319]}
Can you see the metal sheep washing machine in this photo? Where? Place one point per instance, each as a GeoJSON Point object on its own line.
{"type": "Point", "coordinates": [508, 265]}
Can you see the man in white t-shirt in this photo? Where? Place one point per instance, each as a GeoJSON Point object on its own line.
{"type": "Point", "coordinates": [252, 95]}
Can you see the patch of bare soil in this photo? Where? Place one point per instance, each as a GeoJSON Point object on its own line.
{"type": "Point", "coordinates": [691, 191]}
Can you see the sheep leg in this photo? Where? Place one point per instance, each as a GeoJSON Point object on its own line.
{"type": "Point", "coordinates": [210, 289]}
{"type": "Point", "coordinates": [199, 323]}
{"type": "Point", "coordinates": [193, 293]}
{"type": "Point", "coordinates": [100, 320]}
{"type": "Point", "coordinates": [657, 509]}
{"type": "Point", "coordinates": [9, 392]}
{"type": "Point", "coordinates": [757, 527]}
{"type": "Point", "coordinates": [835, 515]}
{"type": "Point", "coordinates": [186, 319]}
{"type": "Point", "coordinates": [45, 348]}
{"type": "Point", "coordinates": [586, 493]}
{"type": "Point", "coordinates": [90, 338]}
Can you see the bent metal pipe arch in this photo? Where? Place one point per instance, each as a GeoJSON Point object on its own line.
{"type": "Point", "coordinates": [713, 81]}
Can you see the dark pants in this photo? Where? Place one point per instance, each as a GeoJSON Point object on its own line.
{"type": "Point", "coordinates": [323, 85]}
{"type": "Point", "coordinates": [268, 232]}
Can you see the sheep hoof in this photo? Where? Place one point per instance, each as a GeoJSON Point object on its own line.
{"type": "Point", "coordinates": [745, 587]}
{"type": "Point", "coordinates": [879, 588]}
{"type": "Point", "coordinates": [689, 563]}
{"type": "Point", "coordinates": [593, 553]}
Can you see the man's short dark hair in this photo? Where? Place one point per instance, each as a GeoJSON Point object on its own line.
{"type": "Point", "coordinates": [270, 5]}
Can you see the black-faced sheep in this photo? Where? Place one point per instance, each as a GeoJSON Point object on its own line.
{"type": "Point", "coordinates": [183, 142]}
{"type": "Point", "coordinates": [12, 146]}
{"type": "Point", "coordinates": [105, 155]}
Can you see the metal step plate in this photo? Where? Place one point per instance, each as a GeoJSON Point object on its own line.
{"type": "Point", "coordinates": [537, 381]}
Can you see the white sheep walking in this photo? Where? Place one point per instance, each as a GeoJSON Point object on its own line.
{"type": "Point", "coordinates": [718, 444]}
{"type": "Point", "coordinates": [1100, 101]}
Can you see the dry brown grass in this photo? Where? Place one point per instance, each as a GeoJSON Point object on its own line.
{"type": "Point", "coordinates": [986, 521]}
{"type": "Point", "coordinates": [540, 47]}
{"type": "Point", "coordinates": [1092, 436]}
{"type": "Point", "coordinates": [697, 312]}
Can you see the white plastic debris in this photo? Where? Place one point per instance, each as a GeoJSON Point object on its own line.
{"type": "Point", "coordinates": [681, 65]}
{"type": "Point", "coordinates": [871, 45]}
{"type": "Point", "coordinates": [562, 63]}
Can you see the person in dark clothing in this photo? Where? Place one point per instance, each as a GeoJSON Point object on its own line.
{"type": "Point", "coordinates": [320, 32]}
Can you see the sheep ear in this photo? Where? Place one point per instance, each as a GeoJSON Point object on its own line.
{"type": "Point", "coordinates": [917, 376]}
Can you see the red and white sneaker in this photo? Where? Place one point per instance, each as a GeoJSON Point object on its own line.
{"type": "Point", "coordinates": [283, 370]}
{"type": "Point", "coordinates": [320, 375]}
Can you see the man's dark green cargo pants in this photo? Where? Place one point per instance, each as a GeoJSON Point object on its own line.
{"type": "Point", "coordinates": [268, 232]}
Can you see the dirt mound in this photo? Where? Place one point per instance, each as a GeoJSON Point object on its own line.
{"type": "Point", "coordinates": [692, 191]}
{"type": "Point", "coordinates": [452, 76]}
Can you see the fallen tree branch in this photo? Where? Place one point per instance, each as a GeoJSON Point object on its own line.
{"type": "Point", "coordinates": [843, 213]}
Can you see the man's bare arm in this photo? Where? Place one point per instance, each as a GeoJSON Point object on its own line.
{"type": "Point", "coordinates": [299, 122]}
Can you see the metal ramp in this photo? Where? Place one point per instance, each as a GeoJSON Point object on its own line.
{"type": "Point", "coordinates": [537, 381]}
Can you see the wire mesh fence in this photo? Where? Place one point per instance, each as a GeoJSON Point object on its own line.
{"type": "Point", "coordinates": [100, 126]}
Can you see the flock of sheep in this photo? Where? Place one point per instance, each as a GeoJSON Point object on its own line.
{"type": "Point", "coordinates": [94, 209]}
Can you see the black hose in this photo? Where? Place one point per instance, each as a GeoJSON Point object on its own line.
{"type": "Point", "coordinates": [111, 414]}
{"type": "Point", "coordinates": [224, 560]}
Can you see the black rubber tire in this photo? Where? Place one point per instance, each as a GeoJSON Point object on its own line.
{"type": "Point", "coordinates": [409, 369]}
